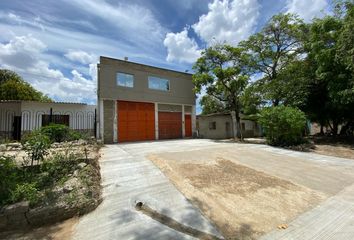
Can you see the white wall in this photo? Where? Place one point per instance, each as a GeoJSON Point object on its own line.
{"type": "Point", "coordinates": [81, 116]}
{"type": "Point", "coordinates": [7, 112]}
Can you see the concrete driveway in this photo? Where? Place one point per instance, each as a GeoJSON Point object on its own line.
{"type": "Point", "coordinates": [128, 176]}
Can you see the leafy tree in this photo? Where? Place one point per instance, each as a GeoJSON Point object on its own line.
{"type": "Point", "coordinates": [211, 104]}
{"type": "Point", "coordinates": [272, 50]}
{"type": "Point", "coordinates": [283, 125]}
{"type": "Point", "coordinates": [345, 51]}
{"type": "Point", "coordinates": [331, 98]}
{"type": "Point", "coordinates": [220, 72]}
{"type": "Point", "coordinates": [13, 87]}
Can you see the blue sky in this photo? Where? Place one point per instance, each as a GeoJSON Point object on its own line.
{"type": "Point", "coordinates": [55, 45]}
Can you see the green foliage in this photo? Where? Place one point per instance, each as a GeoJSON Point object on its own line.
{"type": "Point", "coordinates": [13, 87]}
{"type": "Point", "coordinates": [25, 191]}
{"type": "Point", "coordinates": [283, 125]}
{"type": "Point", "coordinates": [345, 50]}
{"type": "Point", "coordinates": [211, 105]}
{"type": "Point", "coordinates": [271, 50]}
{"type": "Point", "coordinates": [36, 146]}
{"type": "Point", "coordinates": [219, 71]}
{"type": "Point", "coordinates": [57, 167]}
{"type": "Point", "coordinates": [8, 177]}
{"type": "Point", "coordinates": [60, 133]}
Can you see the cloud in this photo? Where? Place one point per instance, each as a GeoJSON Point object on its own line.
{"type": "Point", "coordinates": [181, 48]}
{"type": "Point", "coordinates": [24, 54]}
{"type": "Point", "coordinates": [81, 56]}
{"type": "Point", "coordinates": [134, 21]}
{"type": "Point", "coordinates": [227, 21]}
{"type": "Point", "coordinates": [308, 9]}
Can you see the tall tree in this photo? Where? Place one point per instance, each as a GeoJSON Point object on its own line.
{"type": "Point", "coordinates": [13, 87]}
{"type": "Point", "coordinates": [220, 72]}
{"type": "Point", "coordinates": [272, 50]}
{"type": "Point", "coordinates": [331, 97]}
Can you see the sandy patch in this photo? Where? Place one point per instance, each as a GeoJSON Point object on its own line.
{"type": "Point", "coordinates": [242, 202]}
{"type": "Point", "coordinates": [345, 151]}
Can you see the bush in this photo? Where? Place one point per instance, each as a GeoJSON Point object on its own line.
{"type": "Point", "coordinates": [25, 191]}
{"type": "Point", "coordinates": [8, 177]}
{"type": "Point", "coordinates": [36, 146]}
{"type": "Point", "coordinates": [283, 125]}
{"type": "Point", "coordinates": [60, 133]}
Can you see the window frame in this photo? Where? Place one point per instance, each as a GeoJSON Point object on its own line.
{"type": "Point", "coordinates": [159, 89]}
{"type": "Point", "coordinates": [212, 125]}
{"type": "Point", "coordinates": [125, 73]}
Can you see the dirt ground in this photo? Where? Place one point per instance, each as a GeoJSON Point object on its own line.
{"type": "Point", "coordinates": [242, 202]}
{"type": "Point", "coordinates": [339, 150]}
{"type": "Point", "coordinates": [59, 231]}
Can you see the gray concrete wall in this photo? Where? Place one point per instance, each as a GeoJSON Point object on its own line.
{"type": "Point", "coordinates": [180, 83]}
{"type": "Point", "coordinates": [221, 131]}
{"type": "Point", "coordinates": [108, 115]}
{"type": "Point", "coordinates": [224, 127]}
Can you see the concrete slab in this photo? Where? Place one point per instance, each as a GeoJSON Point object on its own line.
{"type": "Point", "coordinates": [128, 177]}
{"type": "Point", "coordinates": [331, 220]}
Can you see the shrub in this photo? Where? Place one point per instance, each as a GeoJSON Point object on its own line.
{"type": "Point", "coordinates": [36, 146]}
{"type": "Point", "coordinates": [25, 191]}
{"type": "Point", "coordinates": [60, 133]}
{"type": "Point", "coordinates": [8, 177]}
{"type": "Point", "coordinates": [56, 132]}
{"type": "Point", "coordinates": [283, 125]}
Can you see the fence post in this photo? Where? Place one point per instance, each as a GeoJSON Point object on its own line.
{"type": "Point", "coordinates": [51, 116]}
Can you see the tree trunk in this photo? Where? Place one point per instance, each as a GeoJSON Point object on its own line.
{"type": "Point", "coordinates": [239, 129]}
{"type": "Point", "coordinates": [234, 124]}
{"type": "Point", "coordinates": [321, 131]}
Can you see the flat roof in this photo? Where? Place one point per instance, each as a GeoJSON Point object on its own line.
{"type": "Point", "coordinates": [145, 65]}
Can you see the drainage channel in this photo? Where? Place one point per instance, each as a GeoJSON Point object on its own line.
{"type": "Point", "coordinates": [171, 223]}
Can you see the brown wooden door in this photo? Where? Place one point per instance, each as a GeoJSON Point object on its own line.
{"type": "Point", "coordinates": [188, 125]}
{"type": "Point", "coordinates": [136, 121]}
{"type": "Point", "coordinates": [170, 125]}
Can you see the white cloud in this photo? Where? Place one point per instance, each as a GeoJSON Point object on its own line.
{"type": "Point", "coordinates": [181, 48]}
{"type": "Point", "coordinates": [307, 9]}
{"type": "Point", "coordinates": [228, 21]}
{"type": "Point", "coordinates": [24, 54]}
{"type": "Point", "coordinates": [136, 22]}
{"type": "Point", "coordinates": [80, 56]}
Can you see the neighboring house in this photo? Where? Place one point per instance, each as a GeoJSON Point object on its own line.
{"type": "Point", "coordinates": [18, 117]}
{"type": "Point", "coordinates": [220, 126]}
{"type": "Point", "coordinates": [138, 102]}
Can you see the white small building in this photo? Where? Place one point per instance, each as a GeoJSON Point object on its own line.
{"type": "Point", "coordinates": [18, 117]}
{"type": "Point", "coordinates": [220, 126]}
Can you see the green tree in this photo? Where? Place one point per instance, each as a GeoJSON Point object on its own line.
{"type": "Point", "coordinates": [272, 50]}
{"type": "Point", "coordinates": [13, 87]}
{"type": "Point", "coordinates": [331, 97]}
{"type": "Point", "coordinates": [220, 72]}
{"type": "Point", "coordinates": [211, 105]}
{"type": "Point", "coordinates": [345, 51]}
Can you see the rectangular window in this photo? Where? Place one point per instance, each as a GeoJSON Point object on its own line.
{"type": "Point", "coordinates": [243, 126]}
{"type": "Point", "coordinates": [125, 80]}
{"type": "Point", "coordinates": [159, 83]}
{"type": "Point", "coordinates": [57, 119]}
{"type": "Point", "coordinates": [212, 125]}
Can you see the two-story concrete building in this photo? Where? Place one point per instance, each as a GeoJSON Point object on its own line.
{"type": "Point", "coordinates": [137, 102]}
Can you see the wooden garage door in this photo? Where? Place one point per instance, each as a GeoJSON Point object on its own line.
{"type": "Point", "coordinates": [136, 121]}
{"type": "Point", "coordinates": [170, 125]}
{"type": "Point", "coordinates": [188, 125]}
